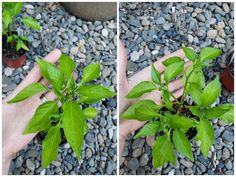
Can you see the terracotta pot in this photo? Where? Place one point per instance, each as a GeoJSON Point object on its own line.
{"type": "Point", "coordinates": [227, 78]}
{"type": "Point", "coordinates": [92, 10]}
{"type": "Point", "coordinates": [15, 63]}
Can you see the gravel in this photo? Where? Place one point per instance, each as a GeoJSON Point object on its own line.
{"type": "Point", "coordinates": [86, 42]}
{"type": "Point", "coordinates": [157, 29]}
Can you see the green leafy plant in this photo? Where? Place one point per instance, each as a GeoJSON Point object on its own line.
{"type": "Point", "coordinates": [70, 118]}
{"type": "Point", "coordinates": [173, 121]}
{"type": "Point", "coordinates": [9, 17]}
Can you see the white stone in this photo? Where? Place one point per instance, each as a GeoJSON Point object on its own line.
{"type": "Point", "coordinates": [8, 71]}
{"type": "Point", "coordinates": [104, 32]}
{"type": "Point", "coordinates": [134, 56]}
{"type": "Point", "coordinates": [154, 52]}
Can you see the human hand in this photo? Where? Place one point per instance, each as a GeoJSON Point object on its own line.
{"type": "Point", "coordinates": [16, 116]}
{"type": "Point", "coordinates": [125, 85]}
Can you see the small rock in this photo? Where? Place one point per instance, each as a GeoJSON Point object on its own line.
{"type": "Point", "coordinates": [74, 50]}
{"type": "Point", "coordinates": [88, 153]}
{"type": "Point", "coordinates": [105, 32]}
{"type": "Point", "coordinates": [172, 172]}
{"type": "Point", "coordinates": [186, 163]}
{"type": "Point", "coordinates": [145, 22]}
{"type": "Point", "coordinates": [226, 7]}
{"type": "Point", "coordinates": [166, 26]}
{"type": "Point", "coordinates": [133, 164]}
{"type": "Point", "coordinates": [211, 34]}
{"type": "Point", "coordinates": [220, 25]}
{"type": "Point", "coordinates": [144, 160]}
{"type": "Point", "coordinates": [220, 40]}
{"type": "Point", "coordinates": [8, 71]}
{"type": "Point", "coordinates": [228, 164]}
{"type": "Point", "coordinates": [137, 152]}
{"type": "Point", "coordinates": [19, 162]}
{"type": "Point", "coordinates": [30, 165]}
{"type": "Point", "coordinates": [201, 18]}
{"type": "Point", "coordinates": [160, 20]}
{"type": "Point", "coordinates": [190, 38]}
{"type": "Point", "coordinates": [225, 154]}
{"type": "Point", "coordinates": [134, 56]}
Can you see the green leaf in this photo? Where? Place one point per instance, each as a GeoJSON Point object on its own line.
{"type": "Point", "coordinates": [171, 60]}
{"type": "Point", "coordinates": [182, 144]}
{"type": "Point", "coordinates": [73, 124]}
{"type": "Point", "coordinates": [51, 73]}
{"type": "Point", "coordinates": [179, 122]}
{"type": "Point", "coordinates": [41, 118]}
{"type": "Point", "coordinates": [90, 112]}
{"type": "Point", "coordinates": [25, 38]}
{"type": "Point", "coordinates": [196, 77]}
{"type": "Point", "coordinates": [156, 78]}
{"type": "Point", "coordinates": [149, 129]}
{"type": "Point", "coordinates": [209, 53]}
{"type": "Point", "coordinates": [91, 72]}
{"type": "Point", "coordinates": [28, 91]}
{"type": "Point", "coordinates": [166, 99]}
{"type": "Point", "coordinates": [195, 111]}
{"type": "Point", "coordinates": [6, 18]}
{"type": "Point", "coordinates": [211, 92]}
{"type": "Point", "coordinates": [205, 133]}
{"type": "Point", "coordinates": [67, 65]}
{"type": "Point", "coordinates": [195, 92]}
{"type": "Point", "coordinates": [162, 151]}
{"type": "Point", "coordinates": [224, 112]}
{"type": "Point", "coordinates": [93, 93]}
{"type": "Point", "coordinates": [173, 70]}
{"type": "Point", "coordinates": [31, 23]}
{"type": "Point", "coordinates": [140, 89]}
{"type": "Point", "coordinates": [50, 145]}
{"type": "Point", "coordinates": [17, 8]}
{"type": "Point", "coordinates": [130, 113]}
{"type": "Point", "coordinates": [10, 39]}
{"type": "Point", "coordinates": [145, 112]}
{"type": "Point", "coordinates": [190, 53]}
{"type": "Point", "coordinates": [21, 45]}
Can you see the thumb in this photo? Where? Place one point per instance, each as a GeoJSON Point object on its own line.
{"type": "Point", "coordinates": [122, 62]}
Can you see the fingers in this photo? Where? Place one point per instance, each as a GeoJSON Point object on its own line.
{"type": "Point", "coordinates": [35, 75]}
{"type": "Point", "coordinates": [178, 93]}
{"type": "Point", "coordinates": [144, 74]}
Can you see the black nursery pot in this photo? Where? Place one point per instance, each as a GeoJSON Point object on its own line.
{"type": "Point", "coordinates": [11, 57]}
{"type": "Point", "coordinates": [227, 77]}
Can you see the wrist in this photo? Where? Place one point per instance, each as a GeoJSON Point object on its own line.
{"type": "Point", "coordinates": [5, 164]}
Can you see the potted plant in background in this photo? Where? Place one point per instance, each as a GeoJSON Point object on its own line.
{"type": "Point", "coordinates": [69, 119]}
{"type": "Point", "coordinates": [14, 46]}
{"type": "Point", "coordinates": [227, 77]}
{"type": "Point", "coordinates": [175, 123]}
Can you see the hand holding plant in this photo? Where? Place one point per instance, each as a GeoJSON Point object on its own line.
{"type": "Point", "coordinates": [168, 120]}
{"type": "Point", "coordinates": [71, 117]}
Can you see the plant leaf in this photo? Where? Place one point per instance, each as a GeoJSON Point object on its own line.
{"type": "Point", "coordinates": [91, 72]}
{"type": "Point", "coordinates": [50, 145]}
{"type": "Point", "coordinates": [190, 53]}
{"type": "Point", "coordinates": [20, 45]}
{"type": "Point", "coordinates": [149, 129]}
{"type": "Point", "coordinates": [145, 112]}
{"type": "Point", "coordinates": [211, 92]}
{"type": "Point", "coordinates": [166, 99]}
{"type": "Point", "coordinates": [205, 133]}
{"type": "Point", "coordinates": [90, 112]}
{"type": "Point", "coordinates": [130, 112]}
{"type": "Point", "coordinates": [51, 73]}
{"type": "Point", "coordinates": [94, 93]}
{"type": "Point", "coordinates": [6, 18]}
{"type": "Point", "coordinates": [162, 151]}
{"type": "Point", "coordinates": [41, 118]}
{"type": "Point", "coordinates": [31, 23]}
{"type": "Point", "coordinates": [140, 89]}
{"type": "Point", "coordinates": [195, 92]}
{"type": "Point", "coordinates": [178, 122]}
{"type": "Point", "coordinates": [73, 124]}
{"type": "Point", "coordinates": [17, 8]}
{"type": "Point", "coordinates": [67, 65]}
{"type": "Point", "coordinates": [209, 53]}
{"type": "Point", "coordinates": [173, 70]}
{"type": "Point", "coordinates": [224, 112]}
{"type": "Point", "coordinates": [28, 91]}
{"type": "Point", "coordinates": [182, 144]}
{"type": "Point", "coordinates": [156, 78]}
{"type": "Point", "coordinates": [171, 60]}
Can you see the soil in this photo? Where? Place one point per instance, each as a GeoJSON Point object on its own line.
{"type": "Point", "coordinates": [9, 51]}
